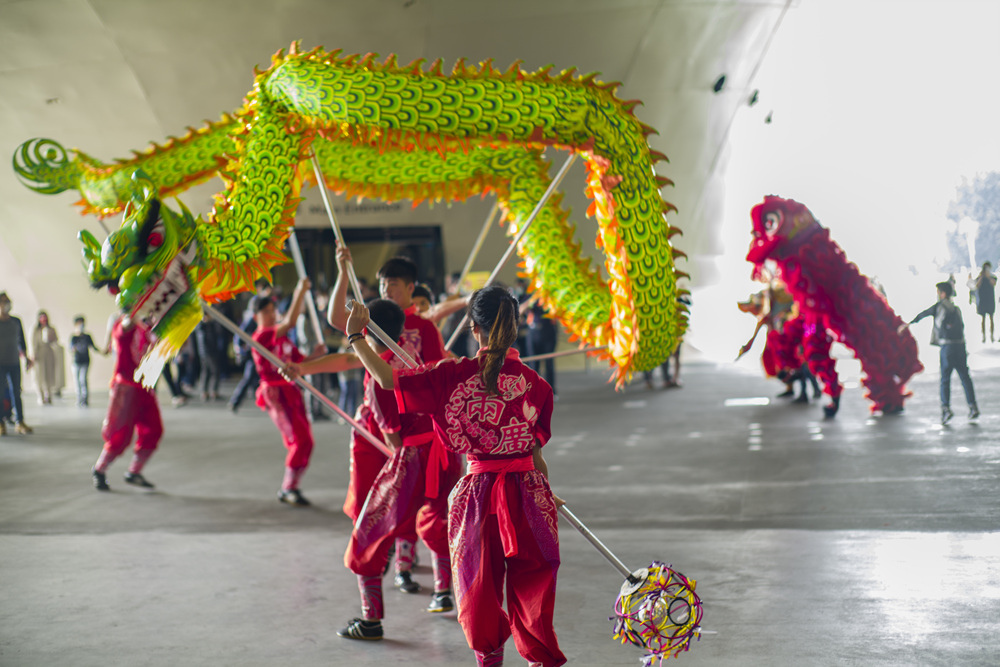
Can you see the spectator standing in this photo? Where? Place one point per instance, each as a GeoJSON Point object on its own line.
{"type": "Point", "coordinates": [81, 344]}
{"type": "Point", "coordinates": [12, 348]}
{"type": "Point", "coordinates": [47, 355]}
{"type": "Point", "coordinates": [986, 300]}
{"type": "Point", "coordinates": [210, 342]}
{"type": "Point", "coordinates": [541, 339]}
{"type": "Point", "coordinates": [520, 292]}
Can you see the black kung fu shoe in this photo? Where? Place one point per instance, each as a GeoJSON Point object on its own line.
{"type": "Point", "coordinates": [830, 409]}
{"type": "Point", "coordinates": [404, 582]}
{"type": "Point", "coordinates": [359, 628]}
{"type": "Point", "coordinates": [136, 479]}
{"type": "Point", "coordinates": [100, 480]}
{"type": "Point", "coordinates": [441, 602]}
{"type": "Point", "coordinates": [293, 497]}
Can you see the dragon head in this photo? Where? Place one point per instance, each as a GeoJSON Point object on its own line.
{"type": "Point", "coordinates": [149, 264]}
{"type": "Point", "coordinates": [776, 222]}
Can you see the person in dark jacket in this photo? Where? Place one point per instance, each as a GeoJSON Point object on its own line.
{"type": "Point", "coordinates": [210, 341]}
{"type": "Point", "coordinates": [250, 380]}
{"type": "Point", "coordinates": [81, 343]}
{"type": "Point", "coordinates": [949, 334]}
{"type": "Point", "coordinates": [986, 300]}
{"type": "Point", "coordinates": [12, 347]}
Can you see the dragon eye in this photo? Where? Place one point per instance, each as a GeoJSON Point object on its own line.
{"type": "Point", "coordinates": [156, 236]}
{"type": "Point", "coordinates": [771, 222]}
{"type": "Point", "coordinates": [113, 289]}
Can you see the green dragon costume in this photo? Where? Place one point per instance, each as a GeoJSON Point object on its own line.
{"type": "Point", "coordinates": [384, 131]}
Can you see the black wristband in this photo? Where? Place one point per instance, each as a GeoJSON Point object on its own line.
{"type": "Point", "coordinates": [353, 337]}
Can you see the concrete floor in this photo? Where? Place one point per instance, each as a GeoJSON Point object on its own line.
{"type": "Point", "coordinates": [856, 541]}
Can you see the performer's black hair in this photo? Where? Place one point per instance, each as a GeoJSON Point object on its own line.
{"type": "Point", "coordinates": [261, 302]}
{"type": "Point", "coordinates": [388, 316]}
{"type": "Point", "coordinates": [423, 290]}
{"type": "Point", "coordinates": [399, 267]}
{"type": "Point", "coordinates": [494, 310]}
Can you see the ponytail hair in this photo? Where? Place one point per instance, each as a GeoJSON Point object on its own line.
{"type": "Point", "coordinates": [493, 309]}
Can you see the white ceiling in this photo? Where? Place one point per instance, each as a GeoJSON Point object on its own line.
{"type": "Point", "coordinates": [109, 76]}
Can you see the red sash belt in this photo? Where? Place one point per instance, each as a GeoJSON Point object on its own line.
{"type": "Point", "coordinates": [437, 460]}
{"type": "Point", "coordinates": [498, 495]}
{"type": "Point", "coordinates": [265, 385]}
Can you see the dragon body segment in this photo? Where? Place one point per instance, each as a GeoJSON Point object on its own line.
{"type": "Point", "coordinates": [381, 130]}
{"type": "Point", "coordinates": [835, 302]}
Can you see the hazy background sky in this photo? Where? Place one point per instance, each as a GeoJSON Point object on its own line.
{"type": "Point", "coordinates": [879, 108]}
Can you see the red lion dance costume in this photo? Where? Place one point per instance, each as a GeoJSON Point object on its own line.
{"type": "Point", "coordinates": [835, 302]}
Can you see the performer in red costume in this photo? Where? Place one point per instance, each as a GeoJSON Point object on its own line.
{"type": "Point", "coordinates": [422, 341]}
{"type": "Point", "coordinates": [131, 407]}
{"type": "Point", "coordinates": [771, 311]}
{"type": "Point", "coordinates": [411, 488]}
{"type": "Point", "coordinates": [280, 398]}
{"type": "Point", "coordinates": [782, 357]}
{"type": "Point", "coordinates": [502, 520]}
{"type": "Point", "coordinates": [835, 302]}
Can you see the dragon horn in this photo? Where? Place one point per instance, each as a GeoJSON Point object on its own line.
{"type": "Point", "coordinates": [91, 247]}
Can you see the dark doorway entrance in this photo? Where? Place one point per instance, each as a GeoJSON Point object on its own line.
{"type": "Point", "coordinates": [370, 248]}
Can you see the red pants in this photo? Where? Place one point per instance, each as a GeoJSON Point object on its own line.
{"type": "Point", "coordinates": [131, 407]}
{"type": "Point", "coordinates": [480, 565]}
{"type": "Point", "coordinates": [396, 502]}
{"type": "Point", "coordinates": [283, 403]}
{"type": "Point", "coordinates": [366, 464]}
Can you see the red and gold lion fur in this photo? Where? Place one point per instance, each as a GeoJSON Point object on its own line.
{"type": "Point", "coordinates": [835, 302]}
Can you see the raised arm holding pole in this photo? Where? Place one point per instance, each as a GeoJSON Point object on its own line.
{"type": "Point", "coordinates": [351, 275]}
